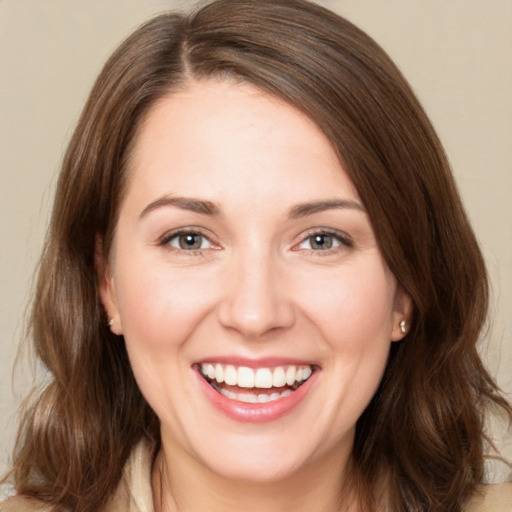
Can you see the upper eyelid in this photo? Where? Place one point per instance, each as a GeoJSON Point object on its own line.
{"type": "Point", "coordinates": [344, 239]}
{"type": "Point", "coordinates": [169, 235]}
{"type": "Point", "coordinates": [326, 231]}
{"type": "Point", "coordinates": [343, 236]}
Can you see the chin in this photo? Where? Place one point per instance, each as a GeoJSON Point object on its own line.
{"type": "Point", "coordinates": [254, 471]}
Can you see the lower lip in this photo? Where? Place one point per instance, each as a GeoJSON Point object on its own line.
{"type": "Point", "coordinates": [256, 413]}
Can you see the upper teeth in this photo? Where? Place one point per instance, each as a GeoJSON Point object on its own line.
{"type": "Point", "coordinates": [265, 378]}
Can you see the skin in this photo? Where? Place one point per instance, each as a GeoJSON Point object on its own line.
{"type": "Point", "coordinates": [256, 287]}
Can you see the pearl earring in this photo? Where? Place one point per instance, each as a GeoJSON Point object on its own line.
{"type": "Point", "coordinates": [402, 327]}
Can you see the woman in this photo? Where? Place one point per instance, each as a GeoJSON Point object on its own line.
{"type": "Point", "coordinates": [251, 294]}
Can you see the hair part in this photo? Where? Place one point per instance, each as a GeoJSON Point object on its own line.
{"type": "Point", "coordinates": [424, 439]}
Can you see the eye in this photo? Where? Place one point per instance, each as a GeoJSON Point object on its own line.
{"type": "Point", "coordinates": [324, 241]}
{"type": "Point", "coordinates": [187, 241]}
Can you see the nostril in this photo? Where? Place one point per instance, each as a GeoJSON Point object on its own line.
{"type": "Point", "coordinates": [254, 301]}
{"type": "Point", "coordinates": [254, 325]}
{"type": "Point", "coordinates": [255, 318]}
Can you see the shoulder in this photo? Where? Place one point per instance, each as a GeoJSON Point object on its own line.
{"type": "Point", "coordinates": [133, 493]}
{"type": "Point", "coordinates": [24, 504]}
{"type": "Point", "coordinates": [492, 498]}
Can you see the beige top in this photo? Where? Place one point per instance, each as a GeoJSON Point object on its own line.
{"type": "Point", "coordinates": [134, 491]}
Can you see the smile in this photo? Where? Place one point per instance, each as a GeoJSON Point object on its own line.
{"type": "Point", "coordinates": [255, 385]}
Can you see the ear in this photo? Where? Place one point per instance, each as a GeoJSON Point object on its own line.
{"type": "Point", "coordinates": [106, 287]}
{"type": "Point", "coordinates": [402, 314]}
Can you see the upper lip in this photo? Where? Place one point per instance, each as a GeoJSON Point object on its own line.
{"type": "Point", "coordinates": [264, 362]}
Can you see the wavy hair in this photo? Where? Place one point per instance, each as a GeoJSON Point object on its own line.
{"type": "Point", "coordinates": [423, 429]}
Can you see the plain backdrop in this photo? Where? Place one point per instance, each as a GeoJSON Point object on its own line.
{"type": "Point", "coordinates": [455, 53]}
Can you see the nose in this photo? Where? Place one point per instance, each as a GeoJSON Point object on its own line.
{"type": "Point", "coordinates": [255, 299]}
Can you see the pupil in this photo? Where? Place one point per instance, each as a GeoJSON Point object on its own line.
{"type": "Point", "coordinates": [190, 241]}
{"type": "Point", "coordinates": [322, 242]}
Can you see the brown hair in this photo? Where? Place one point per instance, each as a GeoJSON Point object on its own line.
{"type": "Point", "coordinates": [424, 427]}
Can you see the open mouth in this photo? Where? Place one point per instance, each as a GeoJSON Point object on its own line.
{"type": "Point", "coordinates": [255, 385]}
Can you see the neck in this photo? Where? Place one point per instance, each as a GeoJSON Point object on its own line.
{"type": "Point", "coordinates": [184, 485]}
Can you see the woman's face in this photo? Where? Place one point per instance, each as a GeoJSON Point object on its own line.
{"type": "Point", "coordinates": [244, 254]}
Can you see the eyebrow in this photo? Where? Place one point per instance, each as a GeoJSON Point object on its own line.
{"type": "Point", "coordinates": [185, 203]}
{"type": "Point", "coordinates": [304, 209]}
{"type": "Point", "coordinates": [212, 209]}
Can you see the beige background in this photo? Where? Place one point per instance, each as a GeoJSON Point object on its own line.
{"type": "Point", "coordinates": [456, 54]}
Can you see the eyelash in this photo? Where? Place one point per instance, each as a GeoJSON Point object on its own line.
{"type": "Point", "coordinates": [342, 239]}
{"type": "Point", "coordinates": [167, 238]}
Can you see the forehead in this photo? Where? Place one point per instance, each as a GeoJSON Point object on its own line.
{"type": "Point", "coordinates": [214, 135]}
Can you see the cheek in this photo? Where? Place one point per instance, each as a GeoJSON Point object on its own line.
{"type": "Point", "coordinates": [353, 306]}
{"type": "Point", "coordinates": [159, 312]}
{"type": "Point", "coordinates": [159, 309]}
{"type": "Point", "coordinates": [353, 313]}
